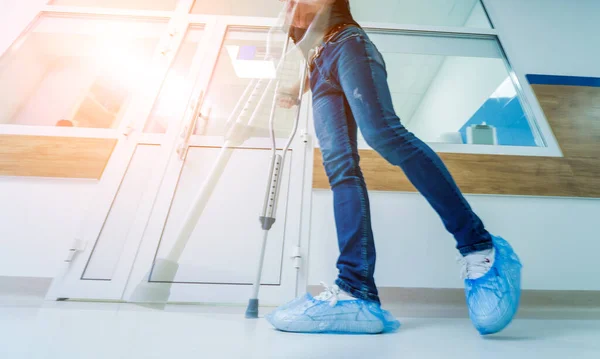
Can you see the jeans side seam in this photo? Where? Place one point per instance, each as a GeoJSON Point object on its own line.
{"type": "Point", "coordinates": [364, 232]}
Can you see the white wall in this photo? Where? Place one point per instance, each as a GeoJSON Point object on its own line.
{"type": "Point", "coordinates": [556, 37]}
{"type": "Point", "coordinates": [557, 238]}
{"type": "Point", "coordinates": [39, 220]}
{"type": "Point", "coordinates": [478, 18]}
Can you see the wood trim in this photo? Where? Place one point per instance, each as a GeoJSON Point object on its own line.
{"type": "Point", "coordinates": [587, 175]}
{"type": "Point", "coordinates": [48, 156]}
{"type": "Point", "coordinates": [574, 115]}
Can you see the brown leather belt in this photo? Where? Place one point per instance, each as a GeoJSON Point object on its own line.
{"type": "Point", "coordinates": [330, 34]}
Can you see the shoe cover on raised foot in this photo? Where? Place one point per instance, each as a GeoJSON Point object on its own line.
{"type": "Point", "coordinates": [309, 315]}
{"type": "Point", "coordinates": [493, 299]}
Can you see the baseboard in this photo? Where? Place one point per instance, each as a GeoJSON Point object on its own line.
{"type": "Point", "coordinates": [450, 303]}
{"type": "Point", "coordinates": [408, 302]}
{"type": "Point", "coordinates": [24, 286]}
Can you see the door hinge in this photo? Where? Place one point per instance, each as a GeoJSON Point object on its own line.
{"type": "Point", "coordinates": [127, 131]}
{"type": "Point", "coordinates": [305, 136]}
{"type": "Point", "coordinates": [296, 257]}
{"type": "Point", "coordinates": [78, 245]}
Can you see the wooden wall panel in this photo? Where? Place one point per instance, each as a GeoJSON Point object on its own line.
{"type": "Point", "coordinates": [480, 174]}
{"type": "Point", "coordinates": [574, 115]}
{"type": "Point", "coordinates": [587, 175]}
{"type": "Point", "coordinates": [379, 175]}
{"type": "Point", "coordinates": [46, 156]}
{"type": "Point", "coordinates": [511, 175]}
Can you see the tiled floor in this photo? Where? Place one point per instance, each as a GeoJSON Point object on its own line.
{"type": "Point", "coordinates": [33, 329]}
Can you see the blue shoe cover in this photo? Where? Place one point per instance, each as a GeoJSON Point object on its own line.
{"type": "Point", "coordinates": [493, 299]}
{"type": "Point", "coordinates": [309, 315]}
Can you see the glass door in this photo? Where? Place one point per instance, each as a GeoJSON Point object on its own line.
{"type": "Point", "coordinates": [110, 237]}
{"type": "Point", "coordinates": [217, 263]}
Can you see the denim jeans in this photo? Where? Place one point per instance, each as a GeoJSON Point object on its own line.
{"type": "Point", "coordinates": [349, 84]}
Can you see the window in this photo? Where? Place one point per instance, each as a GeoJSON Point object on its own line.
{"type": "Point", "coordinates": [454, 89]}
{"type": "Point", "coordinates": [240, 67]}
{"type": "Point", "coordinates": [76, 71]}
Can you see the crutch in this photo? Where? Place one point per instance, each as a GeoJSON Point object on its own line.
{"type": "Point", "coordinates": [312, 36]}
{"type": "Point", "coordinates": [267, 217]}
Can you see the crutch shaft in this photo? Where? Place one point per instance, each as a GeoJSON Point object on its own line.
{"type": "Point", "coordinates": [199, 203]}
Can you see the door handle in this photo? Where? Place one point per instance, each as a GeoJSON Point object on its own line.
{"type": "Point", "coordinates": [205, 122]}
{"type": "Point", "coordinates": [190, 127]}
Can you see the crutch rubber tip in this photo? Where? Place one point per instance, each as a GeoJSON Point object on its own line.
{"type": "Point", "coordinates": [252, 310]}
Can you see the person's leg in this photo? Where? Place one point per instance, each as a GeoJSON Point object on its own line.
{"type": "Point", "coordinates": [492, 269]}
{"type": "Point", "coordinates": [337, 134]}
{"type": "Point", "coordinates": [334, 311]}
{"type": "Point", "coordinates": [356, 67]}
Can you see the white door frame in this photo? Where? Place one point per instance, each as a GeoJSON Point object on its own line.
{"type": "Point", "coordinates": [292, 279]}
{"type": "Point", "coordinates": [70, 284]}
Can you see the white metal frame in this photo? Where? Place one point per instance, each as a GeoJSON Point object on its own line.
{"type": "Point", "coordinates": [540, 126]}
{"type": "Point", "coordinates": [525, 91]}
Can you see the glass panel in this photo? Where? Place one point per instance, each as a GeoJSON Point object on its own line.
{"type": "Point", "coordinates": [165, 5]}
{"type": "Point", "coordinates": [242, 60]}
{"type": "Point", "coordinates": [76, 72]}
{"type": "Point", "coordinates": [174, 95]}
{"type": "Point", "coordinates": [108, 249]}
{"type": "Point", "coordinates": [225, 243]}
{"type": "Point", "coordinates": [454, 90]}
{"type": "Point", "coordinates": [461, 13]}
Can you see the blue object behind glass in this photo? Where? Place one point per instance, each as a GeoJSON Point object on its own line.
{"type": "Point", "coordinates": [508, 117]}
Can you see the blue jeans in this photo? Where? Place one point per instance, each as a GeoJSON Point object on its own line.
{"type": "Point", "coordinates": [349, 85]}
